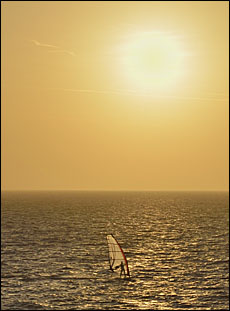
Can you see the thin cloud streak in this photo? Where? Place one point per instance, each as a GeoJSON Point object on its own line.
{"type": "Point", "coordinates": [136, 93]}
{"type": "Point", "coordinates": [37, 43]}
{"type": "Point", "coordinates": [54, 48]}
{"type": "Point", "coordinates": [116, 92]}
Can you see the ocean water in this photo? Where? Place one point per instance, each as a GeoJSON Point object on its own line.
{"type": "Point", "coordinates": [55, 254]}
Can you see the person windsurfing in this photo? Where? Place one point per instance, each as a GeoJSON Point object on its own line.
{"type": "Point", "coordinates": [117, 259]}
{"type": "Point", "coordinates": [122, 269]}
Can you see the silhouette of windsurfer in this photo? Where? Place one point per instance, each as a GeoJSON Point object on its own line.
{"type": "Point", "coordinates": [122, 269]}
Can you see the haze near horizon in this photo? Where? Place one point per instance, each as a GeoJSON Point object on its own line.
{"type": "Point", "coordinates": [115, 95]}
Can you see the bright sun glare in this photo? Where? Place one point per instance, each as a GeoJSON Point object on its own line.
{"type": "Point", "coordinates": [153, 61]}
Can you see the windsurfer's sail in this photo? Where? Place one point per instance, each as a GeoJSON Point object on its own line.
{"type": "Point", "coordinates": [117, 259]}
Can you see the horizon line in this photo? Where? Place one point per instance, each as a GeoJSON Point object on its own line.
{"type": "Point", "coordinates": [116, 190]}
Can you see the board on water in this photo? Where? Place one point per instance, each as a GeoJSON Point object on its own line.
{"type": "Point", "coordinates": [117, 258]}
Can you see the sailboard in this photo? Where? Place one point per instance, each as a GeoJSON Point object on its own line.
{"type": "Point", "coordinates": [117, 258]}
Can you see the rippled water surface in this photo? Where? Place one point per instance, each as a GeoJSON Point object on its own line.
{"type": "Point", "coordinates": [55, 256]}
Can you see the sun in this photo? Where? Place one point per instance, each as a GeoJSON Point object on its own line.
{"type": "Point", "coordinates": [153, 61]}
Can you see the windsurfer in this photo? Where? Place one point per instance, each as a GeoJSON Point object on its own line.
{"type": "Point", "coordinates": [117, 259]}
{"type": "Point", "coordinates": [122, 269]}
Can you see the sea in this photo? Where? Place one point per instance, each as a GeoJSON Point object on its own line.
{"type": "Point", "coordinates": [55, 252]}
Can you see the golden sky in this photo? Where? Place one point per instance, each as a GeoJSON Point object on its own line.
{"type": "Point", "coordinates": [115, 95]}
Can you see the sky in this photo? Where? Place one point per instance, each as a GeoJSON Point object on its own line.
{"type": "Point", "coordinates": [123, 95]}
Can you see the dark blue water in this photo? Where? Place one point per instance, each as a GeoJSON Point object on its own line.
{"type": "Point", "coordinates": [55, 256]}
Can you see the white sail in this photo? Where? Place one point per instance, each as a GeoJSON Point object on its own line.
{"type": "Point", "coordinates": [116, 255]}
